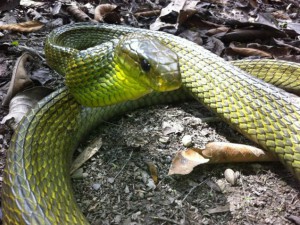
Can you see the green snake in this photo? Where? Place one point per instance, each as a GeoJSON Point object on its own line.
{"type": "Point", "coordinates": [37, 187]}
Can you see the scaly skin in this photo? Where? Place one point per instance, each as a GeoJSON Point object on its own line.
{"type": "Point", "coordinates": [36, 188]}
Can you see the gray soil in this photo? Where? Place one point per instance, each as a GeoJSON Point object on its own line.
{"type": "Point", "coordinates": [117, 188]}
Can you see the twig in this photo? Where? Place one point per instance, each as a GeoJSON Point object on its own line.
{"type": "Point", "coordinates": [124, 165]}
{"type": "Point", "coordinates": [165, 219]}
{"type": "Point", "coordinates": [192, 189]}
{"type": "Point", "coordinates": [148, 13]}
{"type": "Point", "coordinates": [32, 51]}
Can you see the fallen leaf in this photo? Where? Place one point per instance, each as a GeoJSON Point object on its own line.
{"type": "Point", "coordinates": [295, 219]}
{"type": "Point", "coordinates": [22, 103]}
{"type": "Point", "coordinates": [153, 171]}
{"type": "Point", "coordinates": [20, 79]}
{"type": "Point", "coordinates": [77, 13]}
{"type": "Point", "coordinates": [219, 209]}
{"type": "Point", "coordinates": [29, 26]}
{"type": "Point", "coordinates": [247, 51]}
{"type": "Point", "coordinates": [8, 4]}
{"type": "Point", "coordinates": [223, 152]}
{"type": "Point", "coordinates": [185, 161]}
{"type": "Point", "coordinates": [175, 14]}
{"type": "Point", "coordinates": [108, 13]}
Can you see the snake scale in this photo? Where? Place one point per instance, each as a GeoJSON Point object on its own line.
{"type": "Point", "coordinates": [37, 188]}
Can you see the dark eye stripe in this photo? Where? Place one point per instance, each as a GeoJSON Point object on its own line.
{"type": "Point", "coordinates": [145, 65]}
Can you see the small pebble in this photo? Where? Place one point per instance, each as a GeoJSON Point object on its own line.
{"type": "Point", "coordinates": [151, 184]}
{"type": "Point", "coordinates": [117, 219]}
{"type": "Point", "coordinates": [85, 175]}
{"type": "Point", "coordinates": [126, 190]}
{"type": "Point", "coordinates": [96, 186]}
{"type": "Point", "coordinates": [187, 140]}
{"type": "Point", "coordinates": [110, 180]}
{"type": "Point", "coordinates": [230, 176]}
{"type": "Point", "coordinates": [221, 184]}
{"type": "Point", "coordinates": [164, 139]}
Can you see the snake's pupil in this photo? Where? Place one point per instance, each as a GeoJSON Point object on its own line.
{"type": "Point", "coordinates": [145, 65]}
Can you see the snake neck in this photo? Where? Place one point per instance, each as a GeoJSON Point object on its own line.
{"type": "Point", "coordinates": [95, 78]}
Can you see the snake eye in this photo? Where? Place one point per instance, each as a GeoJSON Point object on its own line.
{"type": "Point", "coordinates": [145, 65]}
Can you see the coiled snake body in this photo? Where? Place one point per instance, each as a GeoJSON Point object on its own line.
{"type": "Point", "coordinates": [37, 188]}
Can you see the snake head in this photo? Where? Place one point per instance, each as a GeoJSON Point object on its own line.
{"type": "Point", "coordinates": [149, 61]}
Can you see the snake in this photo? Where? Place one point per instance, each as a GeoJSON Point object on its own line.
{"type": "Point", "coordinates": [37, 186]}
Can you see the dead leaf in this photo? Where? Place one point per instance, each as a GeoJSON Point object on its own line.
{"type": "Point", "coordinates": [169, 127]}
{"type": "Point", "coordinates": [8, 4]}
{"type": "Point", "coordinates": [273, 50]}
{"type": "Point", "coordinates": [31, 3]}
{"type": "Point", "coordinates": [87, 153]}
{"type": "Point", "coordinates": [175, 14]}
{"type": "Point", "coordinates": [222, 152]}
{"type": "Point", "coordinates": [219, 209]}
{"type": "Point", "coordinates": [20, 79]}
{"type": "Point", "coordinates": [108, 13]}
{"type": "Point", "coordinates": [29, 26]}
{"type": "Point", "coordinates": [153, 171]}
{"type": "Point", "coordinates": [217, 152]}
{"type": "Point", "coordinates": [217, 30]}
{"type": "Point", "coordinates": [77, 13]}
{"type": "Point", "coordinates": [150, 13]}
{"type": "Point", "coordinates": [247, 51]}
{"type": "Point", "coordinates": [281, 43]}
{"type": "Point", "coordinates": [295, 219]}
{"type": "Point", "coordinates": [292, 58]}
{"type": "Point", "coordinates": [185, 161]}
{"type": "Point", "coordinates": [256, 31]}
{"type": "Point", "coordinates": [22, 103]}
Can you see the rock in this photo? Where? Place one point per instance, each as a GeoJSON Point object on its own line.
{"type": "Point", "coordinates": [187, 140]}
{"type": "Point", "coordinates": [85, 175]}
{"type": "Point", "coordinates": [230, 176]}
{"type": "Point", "coordinates": [164, 139]}
{"type": "Point", "coordinates": [126, 190]}
{"type": "Point", "coordinates": [151, 184]}
{"type": "Point", "coordinates": [111, 180]}
{"type": "Point", "coordinates": [96, 186]}
{"type": "Point", "coordinates": [117, 219]}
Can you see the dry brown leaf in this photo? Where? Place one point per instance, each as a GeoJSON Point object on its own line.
{"type": "Point", "coordinates": [8, 4]}
{"type": "Point", "coordinates": [29, 26]}
{"type": "Point", "coordinates": [20, 79]}
{"type": "Point", "coordinates": [78, 13]}
{"type": "Point", "coordinates": [153, 171]}
{"type": "Point", "coordinates": [185, 161]}
{"type": "Point", "coordinates": [217, 152]}
{"type": "Point", "coordinates": [221, 152]}
{"type": "Point", "coordinates": [150, 13]}
{"type": "Point", "coordinates": [22, 103]}
{"type": "Point", "coordinates": [219, 209]}
{"type": "Point", "coordinates": [108, 13]}
{"type": "Point", "coordinates": [249, 51]}
{"type": "Point", "coordinates": [217, 30]}
{"type": "Point", "coordinates": [174, 14]}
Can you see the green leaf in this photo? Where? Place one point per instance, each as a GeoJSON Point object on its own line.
{"type": "Point", "coordinates": [15, 43]}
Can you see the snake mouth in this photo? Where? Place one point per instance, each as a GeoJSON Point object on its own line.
{"type": "Point", "coordinates": [168, 80]}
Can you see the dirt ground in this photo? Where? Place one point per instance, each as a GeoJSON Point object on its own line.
{"type": "Point", "coordinates": [115, 186]}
